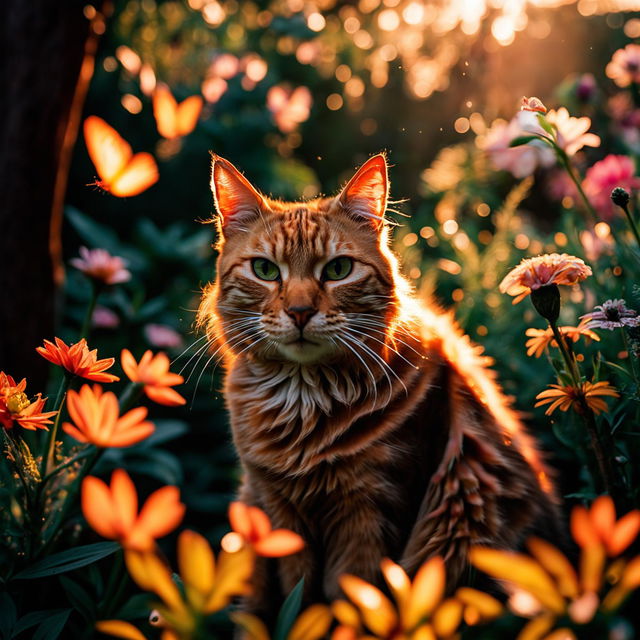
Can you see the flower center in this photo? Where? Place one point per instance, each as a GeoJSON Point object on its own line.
{"type": "Point", "coordinates": [612, 314]}
{"type": "Point", "coordinates": [17, 402]}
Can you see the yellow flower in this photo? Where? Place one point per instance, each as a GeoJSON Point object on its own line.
{"type": "Point", "coordinates": [546, 586]}
{"type": "Point", "coordinates": [312, 624]}
{"type": "Point", "coordinates": [567, 397]}
{"type": "Point", "coordinates": [540, 339]}
{"type": "Point", "coordinates": [420, 611]}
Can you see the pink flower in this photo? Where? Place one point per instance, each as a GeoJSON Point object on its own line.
{"type": "Point", "coordinates": [596, 244]}
{"type": "Point", "coordinates": [624, 67]}
{"type": "Point", "coordinates": [289, 107]}
{"type": "Point", "coordinates": [521, 161]}
{"type": "Point", "coordinates": [626, 118]}
{"type": "Point", "coordinates": [604, 176]}
{"type": "Point", "coordinates": [532, 104]}
{"type": "Point", "coordinates": [162, 336]}
{"type": "Point", "coordinates": [571, 133]}
{"type": "Point", "coordinates": [612, 314]}
{"type": "Point", "coordinates": [104, 318]}
{"type": "Point", "coordinates": [100, 265]}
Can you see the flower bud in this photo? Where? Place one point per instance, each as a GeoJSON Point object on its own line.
{"type": "Point", "coordinates": [620, 197]}
{"type": "Point", "coordinates": [546, 300]}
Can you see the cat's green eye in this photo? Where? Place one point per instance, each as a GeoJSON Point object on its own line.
{"type": "Point", "coordinates": [265, 269]}
{"type": "Point", "coordinates": [338, 268]}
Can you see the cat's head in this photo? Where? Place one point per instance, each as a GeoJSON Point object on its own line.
{"type": "Point", "coordinates": [306, 282]}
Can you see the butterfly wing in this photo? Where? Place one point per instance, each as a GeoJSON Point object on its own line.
{"type": "Point", "coordinates": [188, 114]}
{"type": "Point", "coordinates": [165, 111]}
{"type": "Point", "coordinates": [136, 177]}
{"type": "Point", "coordinates": [108, 151]}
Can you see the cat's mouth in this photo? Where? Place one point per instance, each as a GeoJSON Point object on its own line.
{"type": "Point", "coordinates": [305, 351]}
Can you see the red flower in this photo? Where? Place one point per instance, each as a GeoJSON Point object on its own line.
{"type": "Point", "coordinates": [15, 406]}
{"type": "Point", "coordinates": [77, 359]}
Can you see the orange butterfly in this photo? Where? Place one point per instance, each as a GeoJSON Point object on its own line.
{"type": "Point", "coordinates": [175, 120]}
{"type": "Point", "coordinates": [121, 172]}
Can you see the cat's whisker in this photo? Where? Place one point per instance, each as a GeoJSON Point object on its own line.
{"type": "Point", "coordinates": [188, 348]}
{"type": "Point", "coordinates": [349, 347]}
{"type": "Point", "coordinates": [384, 344]}
{"type": "Point", "coordinates": [376, 329]}
{"type": "Point", "coordinates": [385, 365]}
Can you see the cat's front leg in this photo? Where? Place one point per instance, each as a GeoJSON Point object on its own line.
{"type": "Point", "coordinates": [354, 542]}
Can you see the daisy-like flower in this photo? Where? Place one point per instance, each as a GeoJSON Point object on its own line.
{"type": "Point", "coordinates": [624, 67]}
{"type": "Point", "coordinates": [604, 176]}
{"type": "Point", "coordinates": [252, 527]}
{"type": "Point", "coordinates": [571, 132]}
{"type": "Point", "coordinates": [153, 372]}
{"type": "Point", "coordinates": [567, 397]}
{"type": "Point", "coordinates": [96, 419]}
{"type": "Point", "coordinates": [78, 360]}
{"type": "Point", "coordinates": [542, 271]}
{"type": "Point", "coordinates": [532, 104]}
{"type": "Point", "coordinates": [540, 339]}
{"type": "Point", "coordinates": [101, 266]}
{"type": "Point", "coordinates": [420, 609]}
{"type": "Point", "coordinates": [112, 511]}
{"type": "Point", "coordinates": [209, 583]}
{"type": "Point", "coordinates": [546, 586]}
{"type": "Point", "coordinates": [16, 407]}
{"type": "Point", "coordinates": [612, 314]}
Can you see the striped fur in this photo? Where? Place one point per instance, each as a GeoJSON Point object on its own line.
{"type": "Point", "coordinates": [387, 437]}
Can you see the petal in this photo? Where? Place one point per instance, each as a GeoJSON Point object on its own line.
{"type": "Point", "coordinates": [582, 529]}
{"type": "Point", "coordinates": [131, 436]}
{"type": "Point", "coordinates": [129, 365]}
{"type": "Point", "coordinates": [239, 519]}
{"type": "Point", "coordinates": [97, 507]}
{"type": "Point", "coordinates": [556, 563]}
{"type": "Point", "coordinates": [312, 624]}
{"type": "Point", "coordinates": [398, 581]}
{"type": "Point", "coordinates": [487, 606]}
{"type": "Point", "coordinates": [164, 395]}
{"type": "Point", "coordinates": [132, 418]}
{"type": "Point", "coordinates": [278, 543]}
{"type": "Point", "coordinates": [196, 561]}
{"type": "Point", "coordinates": [260, 523]}
{"type": "Point", "coordinates": [537, 628]}
{"type": "Point", "coordinates": [521, 571]}
{"type": "Point", "coordinates": [592, 561]}
{"type": "Point", "coordinates": [119, 629]}
{"type": "Point", "coordinates": [426, 592]}
{"type": "Point", "coordinates": [161, 513]}
{"type": "Point", "coordinates": [251, 625]}
{"type": "Point", "coordinates": [69, 429]}
{"type": "Point", "coordinates": [233, 578]}
{"type": "Point", "coordinates": [603, 516]}
{"type": "Point", "coordinates": [624, 533]}
{"type": "Point", "coordinates": [447, 617]}
{"type": "Point", "coordinates": [125, 500]}
{"type": "Point", "coordinates": [376, 609]}
{"type": "Point", "coordinates": [345, 613]}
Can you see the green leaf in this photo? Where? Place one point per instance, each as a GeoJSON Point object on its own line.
{"type": "Point", "coordinates": [68, 560]}
{"type": "Point", "coordinates": [545, 124]}
{"type": "Point", "coordinates": [32, 619]}
{"type": "Point", "coordinates": [289, 612]}
{"type": "Point", "coordinates": [165, 430]}
{"type": "Point", "coordinates": [520, 140]}
{"type": "Point", "coordinates": [52, 627]}
{"type": "Point", "coordinates": [8, 615]}
{"type": "Point", "coordinates": [79, 598]}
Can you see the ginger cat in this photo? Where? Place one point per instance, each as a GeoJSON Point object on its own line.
{"type": "Point", "coordinates": [363, 418]}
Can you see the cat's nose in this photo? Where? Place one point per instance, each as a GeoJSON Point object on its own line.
{"type": "Point", "coordinates": [301, 315]}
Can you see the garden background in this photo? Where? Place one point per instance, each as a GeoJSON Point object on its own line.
{"type": "Point", "coordinates": [297, 93]}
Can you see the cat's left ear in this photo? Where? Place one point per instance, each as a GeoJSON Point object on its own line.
{"type": "Point", "coordinates": [365, 195]}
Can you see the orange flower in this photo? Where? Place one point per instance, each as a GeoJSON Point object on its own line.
{"type": "Point", "coordinates": [566, 397]}
{"type": "Point", "coordinates": [153, 372]}
{"type": "Point", "coordinates": [533, 273]}
{"type": "Point", "coordinates": [532, 104]}
{"type": "Point", "coordinates": [15, 406]}
{"type": "Point", "coordinates": [113, 511]}
{"type": "Point", "coordinates": [97, 419]}
{"type": "Point", "coordinates": [540, 339]}
{"type": "Point", "coordinates": [252, 526]}
{"type": "Point", "coordinates": [77, 359]}
{"type": "Point", "coordinates": [598, 526]}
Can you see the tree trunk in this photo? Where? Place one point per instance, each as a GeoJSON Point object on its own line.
{"type": "Point", "coordinates": [44, 43]}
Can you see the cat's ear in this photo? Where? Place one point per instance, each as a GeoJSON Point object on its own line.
{"type": "Point", "coordinates": [365, 195]}
{"type": "Point", "coordinates": [237, 201]}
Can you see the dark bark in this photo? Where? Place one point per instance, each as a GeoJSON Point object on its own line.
{"type": "Point", "coordinates": [44, 45]}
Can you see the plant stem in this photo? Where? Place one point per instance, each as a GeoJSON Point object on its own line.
{"type": "Point", "coordinates": [48, 462]}
{"type": "Point", "coordinates": [130, 396]}
{"type": "Point", "coordinates": [632, 223]}
{"type": "Point", "coordinates": [603, 451]}
{"type": "Point", "coordinates": [569, 169]}
{"type": "Point", "coordinates": [86, 325]}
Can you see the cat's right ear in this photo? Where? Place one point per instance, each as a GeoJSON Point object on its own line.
{"type": "Point", "coordinates": [237, 202]}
